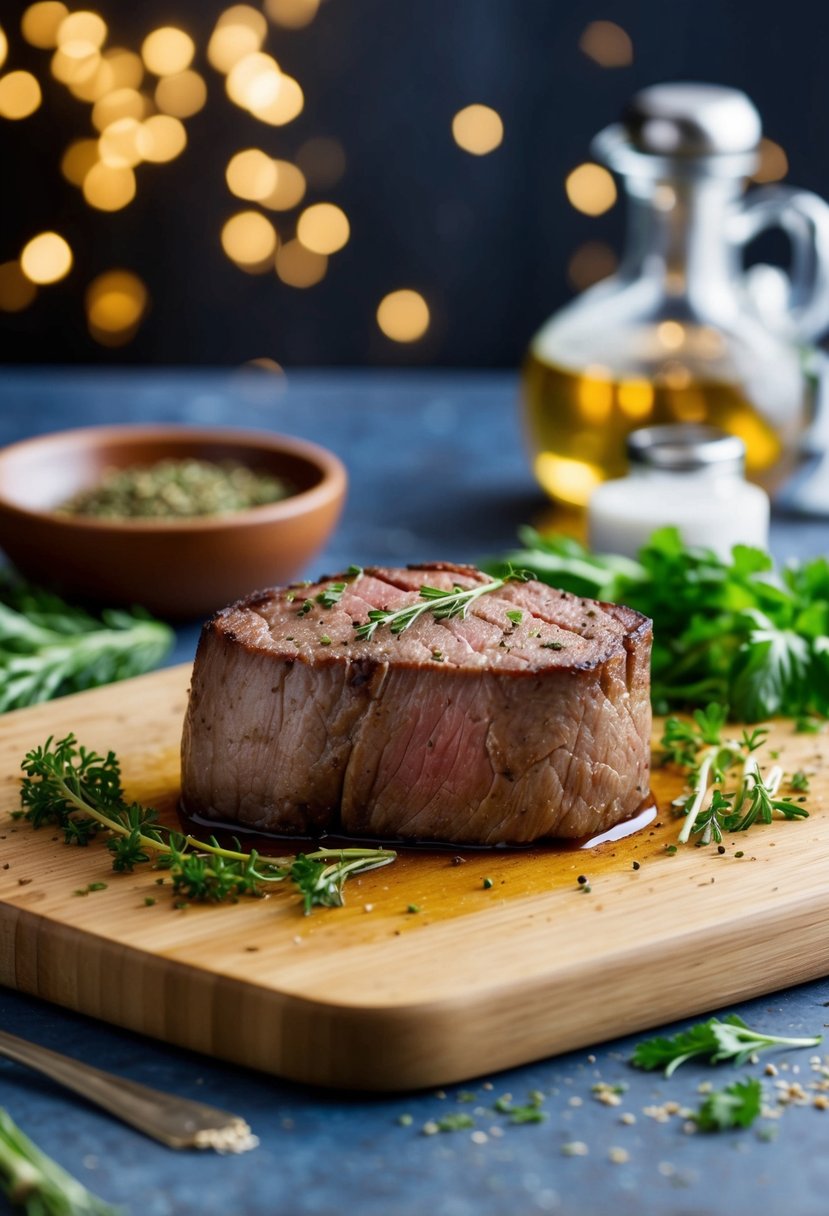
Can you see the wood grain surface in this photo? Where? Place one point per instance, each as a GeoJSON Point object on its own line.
{"type": "Point", "coordinates": [373, 996]}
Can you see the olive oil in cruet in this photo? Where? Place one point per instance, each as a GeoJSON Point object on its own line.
{"type": "Point", "coordinates": [681, 333]}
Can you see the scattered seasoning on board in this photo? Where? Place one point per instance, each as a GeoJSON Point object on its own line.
{"type": "Point", "coordinates": [176, 489]}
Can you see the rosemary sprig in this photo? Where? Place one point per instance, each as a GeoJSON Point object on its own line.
{"type": "Point", "coordinates": [443, 605]}
{"type": "Point", "coordinates": [710, 810]}
{"type": "Point", "coordinates": [49, 648]}
{"type": "Point", "coordinates": [80, 792]}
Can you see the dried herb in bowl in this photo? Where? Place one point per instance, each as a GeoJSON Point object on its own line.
{"type": "Point", "coordinates": [177, 489]}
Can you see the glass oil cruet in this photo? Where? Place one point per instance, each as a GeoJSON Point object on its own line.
{"type": "Point", "coordinates": [682, 332]}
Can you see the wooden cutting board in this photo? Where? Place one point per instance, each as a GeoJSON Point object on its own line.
{"type": "Point", "coordinates": [373, 996]}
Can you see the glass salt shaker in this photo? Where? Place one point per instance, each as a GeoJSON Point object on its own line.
{"type": "Point", "coordinates": [682, 333]}
{"type": "Point", "coordinates": [689, 476]}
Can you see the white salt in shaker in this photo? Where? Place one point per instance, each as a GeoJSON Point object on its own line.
{"type": "Point", "coordinates": [688, 476]}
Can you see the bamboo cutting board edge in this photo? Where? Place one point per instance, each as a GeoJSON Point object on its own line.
{"type": "Point", "coordinates": [403, 1047]}
{"type": "Point", "coordinates": [389, 1001]}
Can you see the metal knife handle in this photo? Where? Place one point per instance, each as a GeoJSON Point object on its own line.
{"type": "Point", "coordinates": [176, 1122]}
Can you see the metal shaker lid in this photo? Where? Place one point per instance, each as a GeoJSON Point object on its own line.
{"type": "Point", "coordinates": [685, 448]}
{"type": "Point", "coordinates": [685, 119]}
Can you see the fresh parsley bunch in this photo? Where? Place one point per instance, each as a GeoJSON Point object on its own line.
{"type": "Point", "coordinates": [49, 648]}
{"type": "Point", "coordinates": [737, 632]}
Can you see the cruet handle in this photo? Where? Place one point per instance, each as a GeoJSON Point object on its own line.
{"type": "Point", "coordinates": [793, 303]}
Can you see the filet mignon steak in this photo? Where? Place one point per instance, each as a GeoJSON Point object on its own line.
{"type": "Point", "coordinates": [529, 718]}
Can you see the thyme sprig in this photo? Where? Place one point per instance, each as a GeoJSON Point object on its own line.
{"type": "Point", "coordinates": [443, 605]}
{"type": "Point", "coordinates": [80, 792]}
{"type": "Point", "coordinates": [710, 809]}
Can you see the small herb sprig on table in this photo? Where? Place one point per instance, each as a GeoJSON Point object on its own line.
{"type": "Point", "coordinates": [715, 1041]}
{"type": "Point", "coordinates": [443, 605]}
{"type": "Point", "coordinates": [735, 1105]}
{"type": "Point", "coordinates": [80, 791]}
{"type": "Point", "coordinates": [37, 1184]}
{"type": "Point", "coordinates": [49, 648]}
{"type": "Point", "coordinates": [710, 810]}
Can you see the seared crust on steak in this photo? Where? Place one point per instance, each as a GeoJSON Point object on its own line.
{"type": "Point", "coordinates": [482, 730]}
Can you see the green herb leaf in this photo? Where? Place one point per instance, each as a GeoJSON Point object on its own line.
{"type": "Point", "coordinates": [31, 1179]}
{"type": "Point", "coordinates": [332, 595]}
{"type": "Point", "coordinates": [713, 1040]}
{"type": "Point", "coordinates": [49, 648]}
{"type": "Point", "coordinates": [737, 1105]}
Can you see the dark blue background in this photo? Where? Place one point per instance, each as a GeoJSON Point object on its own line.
{"type": "Point", "coordinates": [485, 239]}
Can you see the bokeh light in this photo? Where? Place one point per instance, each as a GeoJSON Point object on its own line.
{"type": "Point", "coordinates": [607, 44]}
{"type": "Point", "coordinates": [671, 334]}
{"type": "Point", "coordinates": [322, 161]}
{"type": "Point", "coordinates": [478, 129]}
{"type": "Point", "coordinates": [774, 164]}
{"type": "Point", "coordinates": [109, 188]}
{"type": "Point", "coordinates": [403, 315]}
{"type": "Point", "coordinates": [46, 258]}
{"type": "Point", "coordinates": [164, 138]}
{"type": "Point", "coordinates": [127, 68]}
{"type": "Point", "coordinates": [590, 263]}
{"type": "Point", "coordinates": [289, 187]}
{"type": "Point", "coordinates": [40, 23]}
{"type": "Point", "coordinates": [285, 106]}
{"type": "Point", "coordinates": [4, 47]}
{"type": "Point", "coordinates": [121, 143]}
{"type": "Point", "coordinates": [264, 364]}
{"type": "Point", "coordinates": [239, 31]}
{"type": "Point", "coordinates": [300, 267]}
{"type": "Point", "coordinates": [323, 228]}
{"type": "Point", "coordinates": [253, 81]}
{"type": "Point", "coordinates": [78, 159]}
{"type": "Point", "coordinates": [249, 239]}
{"type": "Point", "coordinates": [16, 291]}
{"type": "Point", "coordinates": [74, 70]}
{"type": "Point", "coordinates": [20, 95]}
{"type": "Point", "coordinates": [591, 189]}
{"type": "Point", "coordinates": [167, 50]}
{"type": "Point", "coordinates": [251, 174]}
{"type": "Point", "coordinates": [81, 34]}
{"type": "Point", "coordinates": [292, 14]}
{"type": "Point", "coordinates": [115, 304]}
{"type": "Point", "coordinates": [121, 103]}
{"type": "Point", "coordinates": [182, 94]}
{"type": "Point", "coordinates": [97, 84]}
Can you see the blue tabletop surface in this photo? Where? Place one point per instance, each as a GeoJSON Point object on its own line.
{"type": "Point", "coordinates": [436, 470]}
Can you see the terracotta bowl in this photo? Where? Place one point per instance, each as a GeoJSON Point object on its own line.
{"type": "Point", "coordinates": [181, 569]}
